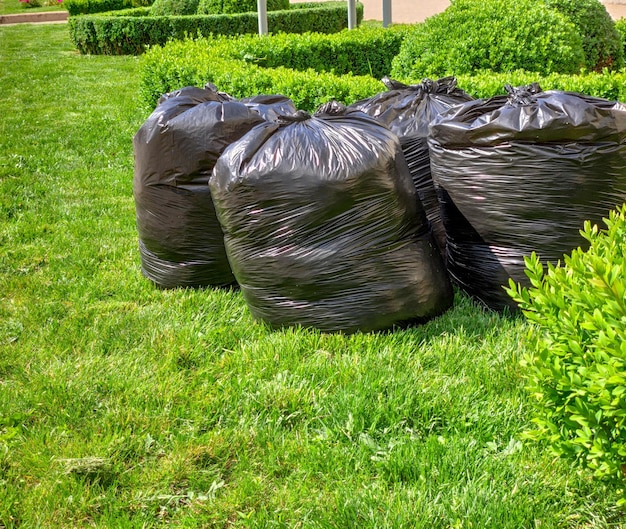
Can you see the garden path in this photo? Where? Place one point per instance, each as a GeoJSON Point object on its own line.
{"type": "Point", "coordinates": [47, 17]}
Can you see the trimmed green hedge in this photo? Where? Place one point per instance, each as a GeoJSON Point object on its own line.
{"type": "Point", "coordinates": [164, 8]}
{"type": "Point", "coordinates": [129, 33]}
{"type": "Point", "coordinates": [620, 26]}
{"type": "Point", "coordinates": [231, 64]}
{"type": "Point", "coordinates": [608, 85]}
{"type": "Point", "coordinates": [347, 68]}
{"type": "Point", "coordinates": [308, 89]}
{"type": "Point", "coordinates": [217, 7]}
{"type": "Point", "coordinates": [84, 7]}
{"type": "Point", "coordinates": [367, 51]}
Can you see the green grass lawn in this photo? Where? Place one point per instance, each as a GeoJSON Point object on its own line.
{"type": "Point", "coordinates": [126, 406]}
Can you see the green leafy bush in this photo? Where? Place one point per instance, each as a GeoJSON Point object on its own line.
{"type": "Point", "coordinates": [174, 7]}
{"type": "Point", "coordinates": [194, 63]}
{"type": "Point", "coordinates": [620, 27]}
{"type": "Point", "coordinates": [496, 35]}
{"type": "Point", "coordinates": [608, 85]}
{"type": "Point", "coordinates": [83, 7]}
{"type": "Point", "coordinates": [130, 32]}
{"type": "Point", "coordinates": [601, 41]}
{"type": "Point", "coordinates": [216, 7]}
{"type": "Point", "coordinates": [368, 51]}
{"type": "Point", "coordinates": [576, 374]}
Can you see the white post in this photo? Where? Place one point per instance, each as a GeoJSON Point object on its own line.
{"type": "Point", "coordinates": [262, 12]}
{"type": "Point", "coordinates": [386, 13]}
{"type": "Point", "coordinates": [351, 14]}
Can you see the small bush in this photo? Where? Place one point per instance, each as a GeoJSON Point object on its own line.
{"type": "Point", "coordinates": [496, 35]}
{"type": "Point", "coordinates": [217, 7]}
{"type": "Point", "coordinates": [620, 27]}
{"type": "Point", "coordinates": [27, 4]}
{"type": "Point", "coordinates": [365, 53]}
{"type": "Point", "coordinates": [174, 7]}
{"type": "Point", "coordinates": [80, 7]}
{"type": "Point", "coordinates": [131, 12]}
{"type": "Point", "coordinates": [368, 51]}
{"type": "Point", "coordinates": [601, 41]}
{"type": "Point", "coordinates": [576, 374]}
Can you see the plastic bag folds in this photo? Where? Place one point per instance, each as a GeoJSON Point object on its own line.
{"type": "Point", "coordinates": [270, 107]}
{"type": "Point", "coordinates": [323, 228]}
{"type": "Point", "coordinates": [408, 111]}
{"type": "Point", "coordinates": [180, 240]}
{"type": "Point", "coordinates": [521, 173]}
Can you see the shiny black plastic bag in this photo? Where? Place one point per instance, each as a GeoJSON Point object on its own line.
{"type": "Point", "coordinates": [323, 228]}
{"type": "Point", "coordinates": [270, 107]}
{"type": "Point", "coordinates": [408, 110]}
{"type": "Point", "coordinates": [521, 173]}
{"type": "Point", "coordinates": [180, 240]}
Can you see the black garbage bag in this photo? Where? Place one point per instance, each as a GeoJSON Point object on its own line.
{"type": "Point", "coordinates": [180, 240]}
{"type": "Point", "coordinates": [408, 111]}
{"type": "Point", "coordinates": [270, 107]}
{"type": "Point", "coordinates": [521, 173]}
{"type": "Point", "coordinates": [197, 95]}
{"type": "Point", "coordinates": [323, 228]}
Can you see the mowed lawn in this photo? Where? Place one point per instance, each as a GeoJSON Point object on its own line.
{"type": "Point", "coordinates": [126, 406]}
{"type": "Point", "coordinates": [13, 7]}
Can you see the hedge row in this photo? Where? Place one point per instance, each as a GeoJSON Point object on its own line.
{"type": "Point", "coordinates": [368, 51]}
{"type": "Point", "coordinates": [349, 68]}
{"type": "Point", "coordinates": [278, 61]}
{"type": "Point", "coordinates": [166, 8]}
{"type": "Point", "coordinates": [608, 85]}
{"type": "Point", "coordinates": [129, 32]}
{"type": "Point", "coordinates": [84, 7]}
{"type": "Point", "coordinates": [215, 7]}
{"type": "Point", "coordinates": [194, 63]}
{"type": "Point", "coordinates": [212, 7]}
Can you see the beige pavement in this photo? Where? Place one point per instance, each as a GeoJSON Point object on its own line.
{"type": "Point", "coordinates": [47, 17]}
{"type": "Point", "coordinates": [404, 11]}
{"type": "Point", "coordinates": [617, 11]}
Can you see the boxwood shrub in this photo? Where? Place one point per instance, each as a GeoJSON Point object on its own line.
{"type": "Point", "coordinates": [365, 53]}
{"type": "Point", "coordinates": [174, 7]}
{"type": "Point", "coordinates": [601, 41]}
{"type": "Point", "coordinates": [620, 26]}
{"type": "Point", "coordinates": [221, 61]}
{"type": "Point", "coordinates": [498, 35]}
{"type": "Point", "coordinates": [576, 371]}
{"type": "Point", "coordinates": [217, 7]}
{"type": "Point", "coordinates": [81, 7]}
{"type": "Point", "coordinates": [129, 32]}
{"type": "Point", "coordinates": [608, 85]}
